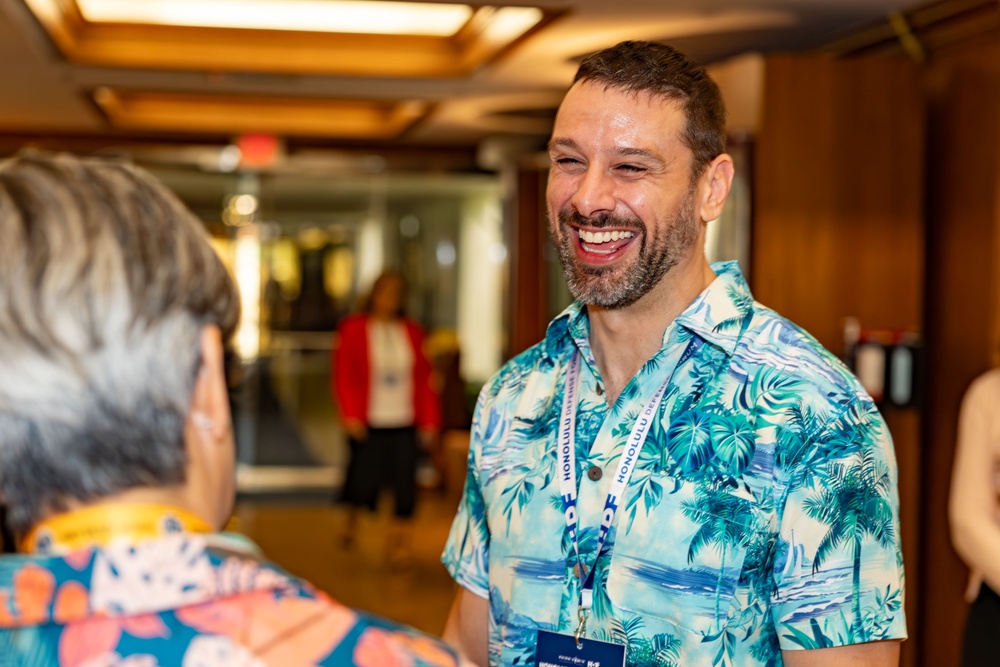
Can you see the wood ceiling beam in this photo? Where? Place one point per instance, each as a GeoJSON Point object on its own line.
{"type": "Point", "coordinates": [235, 114]}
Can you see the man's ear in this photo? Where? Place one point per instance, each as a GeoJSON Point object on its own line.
{"type": "Point", "coordinates": [714, 186]}
{"type": "Point", "coordinates": [209, 412]}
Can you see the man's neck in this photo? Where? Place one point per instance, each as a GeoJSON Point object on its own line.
{"type": "Point", "coordinates": [623, 339]}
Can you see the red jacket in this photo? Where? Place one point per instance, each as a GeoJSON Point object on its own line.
{"type": "Point", "coordinates": [351, 373]}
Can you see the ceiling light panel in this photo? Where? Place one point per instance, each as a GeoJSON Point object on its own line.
{"type": "Point", "coordinates": [289, 36]}
{"type": "Point", "coordinates": [509, 23]}
{"type": "Point", "coordinates": [340, 16]}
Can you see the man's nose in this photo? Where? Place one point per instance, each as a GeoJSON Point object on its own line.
{"type": "Point", "coordinates": [595, 193]}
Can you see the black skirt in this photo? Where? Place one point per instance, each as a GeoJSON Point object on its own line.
{"type": "Point", "coordinates": [981, 647]}
{"type": "Point", "coordinates": [386, 458]}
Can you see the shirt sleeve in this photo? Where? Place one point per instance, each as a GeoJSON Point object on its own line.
{"type": "Point", "coordinates": [466, 554]}
{"type": "Point", "coordinates": [973, 503]}
{"type": "Point", "coordinates": [840, 579]}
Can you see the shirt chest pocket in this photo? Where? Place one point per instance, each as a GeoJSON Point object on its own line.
{"type": "Point", "coordinates": [679, 558]}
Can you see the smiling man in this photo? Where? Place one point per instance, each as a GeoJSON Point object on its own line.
{"type": "Point", "coordinates": [675, 475]}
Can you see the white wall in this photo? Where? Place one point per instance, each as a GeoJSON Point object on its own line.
{"type": "Point", "coordinates": [482, 267]}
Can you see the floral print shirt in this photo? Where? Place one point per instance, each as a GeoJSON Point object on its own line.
{"type": "Point", "coordinates": [186, 601]}
{"type": "Point", "coordinates": [762, 515]}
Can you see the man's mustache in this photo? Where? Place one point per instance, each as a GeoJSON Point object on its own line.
{"type": "Point", "coordinates": [602, 221]}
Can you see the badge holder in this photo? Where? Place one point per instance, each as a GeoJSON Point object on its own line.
{"type": "Point", "coordinates": [556, 650]}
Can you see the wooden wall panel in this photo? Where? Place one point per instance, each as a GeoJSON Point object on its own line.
{"type": "Point", "coordinates": [838, 227]}
{"type": "Point", "coordinates": [838, 209]}
{"type": "Point", "coordinates": [962, 312]}
{"type": "Point", "coordinates": [527, 300]}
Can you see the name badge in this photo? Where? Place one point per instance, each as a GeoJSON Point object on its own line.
{"type": "Point", "coordinates": [555, 650]}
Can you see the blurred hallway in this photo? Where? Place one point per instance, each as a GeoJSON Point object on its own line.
{"type": "Point", "coordinates": [286, 499]}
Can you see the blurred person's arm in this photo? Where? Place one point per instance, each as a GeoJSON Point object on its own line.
{"type": "Point", "coordinates": [874, 654]}
{"type": "Point", "coordinates": [350, 375]}
{"type": "Point", "coordinates": [355, 429]}
{"type": "Point", "coordinates": [429, 439]}
{"type": "Point", "coordinates": [972, 509]}
{"type": "Point", "coordinates": [427, 398]}
{"type": "Point", "coordinates": [468, 627]}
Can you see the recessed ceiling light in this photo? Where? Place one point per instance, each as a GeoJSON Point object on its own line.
{"type": "Point", "coordinates": [509, 23]}
{"type": "Point", "coordinates": [344, 16]}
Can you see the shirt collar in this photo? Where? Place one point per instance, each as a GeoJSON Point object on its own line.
{"type": "Point", "coordinates": [201, 562]}
{"type": "Point", "coordinates": [716, 315]}
{"type": "Point", "coordinates": [720, 312]}
{"type": "Point", "coordinates": [571, 325]}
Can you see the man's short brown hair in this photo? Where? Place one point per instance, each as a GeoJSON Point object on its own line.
{"type": "Point", "coordinates": [664, 71]}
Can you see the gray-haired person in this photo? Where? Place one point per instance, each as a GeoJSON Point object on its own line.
{"type": "Point", "coordinates": [116, 444]}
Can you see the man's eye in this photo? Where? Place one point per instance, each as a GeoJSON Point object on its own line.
{"type": "Point", "coordinates": [631, 168]}
{"type": "Point", "coordinates": [568, 161]}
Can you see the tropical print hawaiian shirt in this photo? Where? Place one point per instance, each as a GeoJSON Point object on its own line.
{"type": "Point", "coordinates": [762, 515]}
{"type": "Point", "coordinates": [179, 602]}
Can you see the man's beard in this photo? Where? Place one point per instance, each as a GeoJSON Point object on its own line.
{"type": "Point", "coordinates": [618, 286]}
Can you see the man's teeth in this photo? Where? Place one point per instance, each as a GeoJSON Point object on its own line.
{"type": "Point", "coordinates": [604, 237]}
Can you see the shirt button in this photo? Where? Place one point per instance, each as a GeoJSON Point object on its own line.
{"type": "Point", "coordinates": [594, 473]}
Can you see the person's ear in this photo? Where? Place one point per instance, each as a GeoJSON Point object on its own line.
{"type": "Point", "coordinates": [209, 412]}
{"type": "Point", "coordinates": [714, 186]}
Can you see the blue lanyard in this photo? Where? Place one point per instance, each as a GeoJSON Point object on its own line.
{"type": "Point", "coordinates": [623, 470]}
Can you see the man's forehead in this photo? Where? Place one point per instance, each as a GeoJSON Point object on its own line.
{"type": "Point", "coordinates": [595, 102]}
{"type": "Point", "coordinates": [587, 87]}
{"type": "Point", "coordinates": [623, 121]}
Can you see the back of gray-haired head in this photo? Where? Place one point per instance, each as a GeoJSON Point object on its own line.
{"type": "Point", "coordinates": [106, 282]}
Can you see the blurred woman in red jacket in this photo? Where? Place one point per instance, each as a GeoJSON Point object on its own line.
{"type": "Point", "coordinates": [382, 381]}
